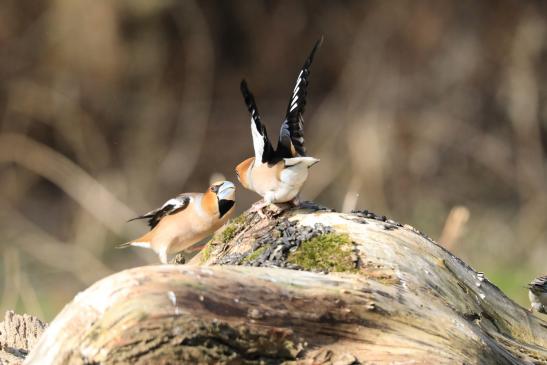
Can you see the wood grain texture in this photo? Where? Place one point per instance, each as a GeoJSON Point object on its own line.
{"type": "Point", "coordinates": [18, 334]}
{"type": "Point", "coordinates": [409, 301]}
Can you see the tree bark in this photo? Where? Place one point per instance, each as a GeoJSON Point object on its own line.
{"type": "Point", "coordinates": [18, 334]}
{"type": "Point", "coordinates": [265, 292]}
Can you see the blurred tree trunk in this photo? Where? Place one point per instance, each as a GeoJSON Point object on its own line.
{"type": "Point", "coordinates": [399, 298]}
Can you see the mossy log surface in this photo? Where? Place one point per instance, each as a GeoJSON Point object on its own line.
{"type": "Point", "coordinates": [376, 292]}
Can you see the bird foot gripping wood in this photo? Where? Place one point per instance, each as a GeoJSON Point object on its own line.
{"type": "Point", "coordinates": [267, 210]}
{"type": "Point", "coordinates": [258, 207]}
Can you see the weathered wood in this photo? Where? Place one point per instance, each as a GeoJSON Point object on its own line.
{"type": "Point", "coordinates": [401, 299]}
{"type": "Point", "coordinates": [18, 334]}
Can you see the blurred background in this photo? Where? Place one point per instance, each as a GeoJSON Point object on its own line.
{"type": "Point", "coordinates": [433, 113]}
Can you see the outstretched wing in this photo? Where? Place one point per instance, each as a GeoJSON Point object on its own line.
{"type": "Point", "coordinates": [263, 148]}
{"type": "Point", "coordinates": [291, 136]}
{"type": "Point", "coordinates": [171, 206]}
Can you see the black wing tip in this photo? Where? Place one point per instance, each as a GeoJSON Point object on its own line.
{"type": "Point", "coordinates": [247, 95]}
{"type": "Point", "coordinates": [144, 216]}
{"type": "Point", "coordinates": [316, 46]}
{"type": "Point", "coordinates": [318, 43]}
{"type": "Point", "coordinates": [307, 64]}
{"type": "Point", "coordinates": [250, 101]}
{"type": "Point", "coordinates": [244, 87]}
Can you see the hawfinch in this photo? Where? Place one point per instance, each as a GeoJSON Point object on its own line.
{"type": "Point", "coordinates": [278, 175]}
{"type": "Point", "coordinates": [186, 219]}
{"type": "Point", "coordinates": [537, 292]}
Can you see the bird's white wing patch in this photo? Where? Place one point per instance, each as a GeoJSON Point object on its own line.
{"type": "Point", "coordinates": [258, 142]}
{"type": "Point", "coordinates": [173, 202]}
{"type": "Point", "coordinates": [263, 149]}
{"type": "Point", "coordinates": [176, 203]}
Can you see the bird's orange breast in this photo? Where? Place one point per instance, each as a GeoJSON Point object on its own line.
{"type": "Point", "coordinates": [266, 177]}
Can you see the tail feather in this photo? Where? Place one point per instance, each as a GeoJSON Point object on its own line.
{"type": "Point", "coordinates": [308, 161]}
{"type": "Point", "coordinates": [134, 244]}
{"type": "Point", "coordinates": [125, 245]}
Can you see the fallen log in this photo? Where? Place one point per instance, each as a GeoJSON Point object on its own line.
{"type": "Point", "coordinates": [308, 286]}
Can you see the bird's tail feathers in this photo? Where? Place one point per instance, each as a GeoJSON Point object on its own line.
{"type": "Point", "coordinates": [308, 161]}
{"type": "Point", "coordinates": [134, 244]}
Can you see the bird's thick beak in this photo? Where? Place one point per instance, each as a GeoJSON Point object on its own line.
{"type": "Point", "coordinates": [226, 191]}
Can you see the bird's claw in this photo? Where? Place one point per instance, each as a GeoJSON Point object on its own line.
{"type": "Point", "coordinates": [258, 208]}
{"type": "Point", "coordinates": [270, 210]}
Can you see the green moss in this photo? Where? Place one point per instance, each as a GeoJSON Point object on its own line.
{"type": "Point", "coordinates": [330, 252]}
{"type": "Point", "coordinates": [228, 233]}
{"type": "Point", "coordinates": [206, 252]}
{"type": "Point", "coordinates": [254, 255]}
{"type": "Point", "coordinates": [231, 229]}
{"type": "Point", "coordinates": [224, 235]}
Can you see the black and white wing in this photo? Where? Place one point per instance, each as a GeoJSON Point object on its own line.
{"type": "Point", "coordinates": [263, 148]}
{"type": "Point", "coordinates": [539, 285]}
{"type": "Point", "coordinates": [291, 136]}
{"type": "Point", "coordinates": [171, 206]}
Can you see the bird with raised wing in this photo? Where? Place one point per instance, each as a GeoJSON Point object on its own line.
{"type": "Point", "coordinates": [186, 219]}
{"type": "Point", "coordinates": [537, 292]}
{"type": "Point", "coordinates": [278, 174]}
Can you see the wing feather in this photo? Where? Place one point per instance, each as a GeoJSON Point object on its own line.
{"type": "Point", "coordinates": [263, 148]}
{"type": "Point", "coordinates": [171, 206]}
{"type": "Point", "coordinates": [291, 136]}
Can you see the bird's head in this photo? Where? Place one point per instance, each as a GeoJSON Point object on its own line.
{"type": "Point", "coordinates": [242, 171]}
{"type": "Point", "coordinates": [225, 192]}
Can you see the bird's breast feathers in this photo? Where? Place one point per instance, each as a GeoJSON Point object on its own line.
{"type": "Point", "coordinates": [264, 177]}
{"type": "Point", "coordinates": [243, 171]}
{"type": "Point", "coordinates": [280, 182]}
